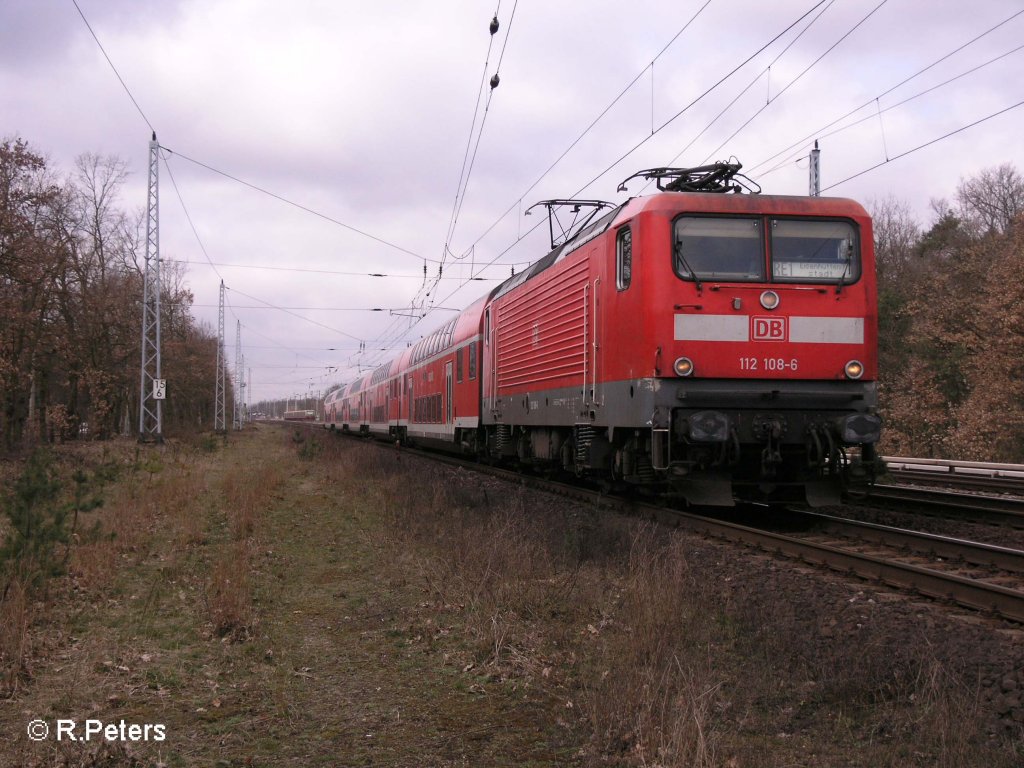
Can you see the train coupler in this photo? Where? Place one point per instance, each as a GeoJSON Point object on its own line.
{"type": "Point", "coordinates": [771, 430]}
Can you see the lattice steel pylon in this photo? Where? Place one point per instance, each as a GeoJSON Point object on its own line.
{"type": "Point", "coordinates": [239, 384]}
{"type": "Point", "coordinates": [150, 382]}
{"type": "Point", "coordinates": [219, 424]}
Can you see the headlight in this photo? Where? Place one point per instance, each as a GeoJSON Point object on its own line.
{"type": "Point", "coordinates": [769, 299]}
{"type": "Point", "coordinates": [860, 428]}
{"type": "Point", "coordinates": [708, 427]}
{"type": "Point", "coordinates": [854, 369]}
{"type": "Point", "coordinates": [683, 366]}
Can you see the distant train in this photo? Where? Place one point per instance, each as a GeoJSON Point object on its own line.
{"type": "Point", "coordinates": [302, 415]}
{"type": "Point", "coordinates": [718, 347]}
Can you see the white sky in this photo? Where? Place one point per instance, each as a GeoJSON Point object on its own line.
{"type": "Point", "coordinates": [362, 112]}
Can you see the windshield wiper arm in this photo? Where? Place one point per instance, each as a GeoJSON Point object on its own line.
{"type": "Point", "coordinates": [686, 266]}
{"type": "Point", "coordinates": [842, 278]}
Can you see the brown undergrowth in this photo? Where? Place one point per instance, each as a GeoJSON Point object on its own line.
{"type": "Point", "coordinates": [229, 594]}
{"type": "Point", "coordinates": [313, 601]}
{"type": "Point", "coordinates": [668, 650]}
{"type": "Point", "coordinates": [159, 506]}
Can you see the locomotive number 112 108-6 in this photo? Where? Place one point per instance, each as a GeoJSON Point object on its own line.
{"type": "Point", "coordinates": [768, 364]}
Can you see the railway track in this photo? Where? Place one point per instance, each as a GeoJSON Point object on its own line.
{"type": "Point", "coordinates": [940, 548]}
{"type": "Point", "coordinates": [966, 507]}
{"type": "Point", "coordinates": [926, 571]}
{"type": "Point", "coordinates": [974, 475]}
{"type": "Point", "coordinates": [965, 590]}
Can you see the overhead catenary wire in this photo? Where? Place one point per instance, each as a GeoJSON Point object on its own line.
{"type": "Point", "coordinates": [796, 79]}
{"type": "Point", "coordinates": [277, 307]}
{"type": "Point", "coordinates": [824, 135]}
{"type": "Point", "coordinates": [294, 314]}
{"type": "Point", "coordinates": [338, 272]}
{"type": "Point", "coordinates": [262, 335]}
{"type": "Point", "coordinates": [646, 139]}
{"type": "Point", "coordinates": [926, 144]}
{"type": "Point", "coordinates": [281, 198]}
{"type": "Point", "coordinates": [232, 177]}
{"type": "Point", "coordinates": [476, 147]}
{"type": "Point", "coordinates": [111, 63]}
{"type": "Point", "coordinates": [700, 98]}
{"type": "Point", "coordinates": [750, 85]}
{"type": "Point", "coordinates": [461, 199]}
{"type": "Point", "coordinates": [460, 282]}
{"type": "Point", "coordinates": [818, 133]}
{"type": "Point", "coordinates": [188, 218]}
{"type": "Point", "coordinates": [587, 130]}
{"type": "Point", "coordinates": [551, 167]}
{"type": "Point", "coordinates": [472, 126]}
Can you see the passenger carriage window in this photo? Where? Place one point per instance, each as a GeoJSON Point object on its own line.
{"type": "Point", "coordinates": [719, 248]}
{"type": "Point", "coordinates": [623, 258]}
{"type": "Point", "coordinates": [472, 360]}
{"type": "Point", "coordinates": [814, 251]}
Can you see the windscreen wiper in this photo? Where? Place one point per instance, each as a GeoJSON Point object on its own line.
{"type": "Point", "coordinates": [686, 266]}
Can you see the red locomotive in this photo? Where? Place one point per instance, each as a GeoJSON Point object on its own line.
{"type": "Point", "coordinates": [716, 346]}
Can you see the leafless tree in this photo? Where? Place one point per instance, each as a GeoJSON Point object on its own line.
{"type": "Point", "coordinates": [993, 198]}
{"type": "Point", "coordinates": [896, 237]}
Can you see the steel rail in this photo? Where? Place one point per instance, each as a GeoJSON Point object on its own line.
{"type": "Point", "coordinates": [947, 547]}
{"type": "Point", "coordinates": [996, 510]}
{"type": "Point", "coordinates": [979, 482]}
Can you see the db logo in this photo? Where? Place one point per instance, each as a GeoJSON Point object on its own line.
{"type": "Point", "coordinates": [768, 328]}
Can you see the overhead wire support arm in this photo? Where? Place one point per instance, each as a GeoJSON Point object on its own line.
{"type": "Point", "coordinates": [583, 212]}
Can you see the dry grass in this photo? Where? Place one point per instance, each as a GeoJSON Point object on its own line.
{"type": "Point", "coordinates": [279, 600]}
{"type": "Point", "coordinates": [653, 694]}
{"type": "Point", "coordinates": [161, 503]}
{"type": "Point", "coordinates": [613, 592]}
{"type": "Point", "coordinates": [246, 491]}
{"type": "Point", "coordinates": [228, 597]}
{"type": "Point", "coordinates": [15, 619]}
{"type": "Point", "coordinates": [659, 664]}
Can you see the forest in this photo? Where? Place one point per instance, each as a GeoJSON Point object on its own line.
{"type": "Point", "coordinates": [951, 314]}
{"type": "Point", "coordinates": [71, 261]}
{"type": "Point", "coordinates": [951, 322]}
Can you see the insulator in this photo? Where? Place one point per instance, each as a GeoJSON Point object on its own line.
{"type": "Point", "coordinates": [494, 81]}
{"type": "Point", "coordinates": [494, 25]}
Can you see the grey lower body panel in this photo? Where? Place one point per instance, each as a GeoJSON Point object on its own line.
{"type": "Point", "coordinates": [639, 403]}
{"type": "Point", "coordinates": [775, 440]}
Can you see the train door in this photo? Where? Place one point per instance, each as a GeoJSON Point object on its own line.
{"type": "Point", "coordinates": [447, 393]}
{"type": "Point", "coordinates": [596, 394]}
{"type": "Point", "coordinates": [490, 360]}
{"type": "Point", "coordinates": [408, 400]}
{"type": "Point", "coordinates": [587, 357]}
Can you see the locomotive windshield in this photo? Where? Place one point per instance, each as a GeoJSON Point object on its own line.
{"type": "Point", "coordinates": [814, 251]}
{"type": "Point", "coordinates": [734, 249]}
{"type": "Point", "coordinates": [714, 248]}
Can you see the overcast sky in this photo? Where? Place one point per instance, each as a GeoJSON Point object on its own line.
{"type": "Point", "coordinates": [362, 112]}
